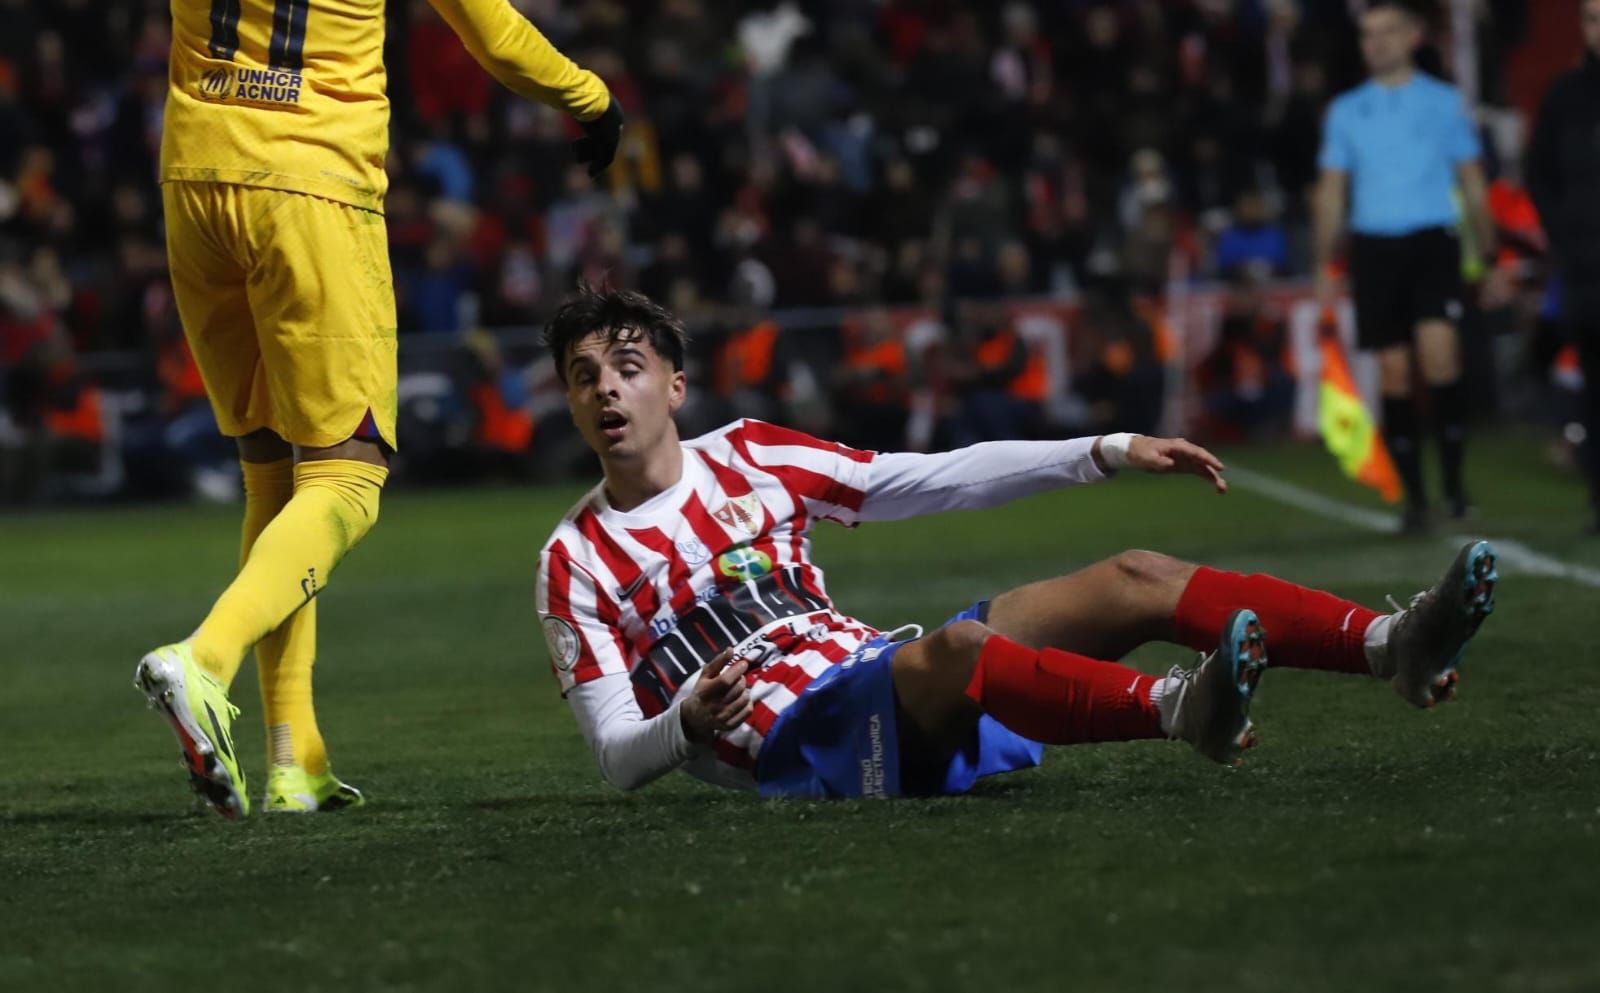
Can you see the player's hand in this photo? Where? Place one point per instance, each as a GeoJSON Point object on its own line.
{"type": "Point", "coordinates": [598, 146]}
{"type": "Point", "coordinates": [1167, 455]}
{"type": "Point", "coordinates": [720, 701]}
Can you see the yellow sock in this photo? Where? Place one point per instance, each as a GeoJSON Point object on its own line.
{"type": "Point", "coordinates": [285, 656]}
{"type": "Point", "coordinates": [284, 659]}
{"type": "Point", "coordinates": [335, 503]}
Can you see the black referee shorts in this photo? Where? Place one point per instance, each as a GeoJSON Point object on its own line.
{"type": "Point", "coordinates": [1399, 281]}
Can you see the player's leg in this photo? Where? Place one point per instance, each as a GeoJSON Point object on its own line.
{"type": "Point", "coordinates": [326, 335]}
{"type": "Point", "coordinates": [1437, 310]}
{"type": "Point", "coordinates": [298, 775]}
{"type": "Point", "coordinates": [331, 379]}
{"type": "Point", "coordinates": [1109, 608]}
{"type": "Point", "coordinates": [1418, 649]}
{"type": "Point", "coordinates": [1439, 361]}
{"type": "Point", "coordinates": [208, 281]}
{"type": "Point", "coordinates": [1384, 318]}
{"type": "Point", "coordinates": [1401, 431]}
{"type": "Point", "coordinates": [946, 681]}
{"type": "Point", "coordinates": [1112, 607]}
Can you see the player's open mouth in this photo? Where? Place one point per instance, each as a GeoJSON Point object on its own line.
{"type": "Point", "coordinates": [613, 423]}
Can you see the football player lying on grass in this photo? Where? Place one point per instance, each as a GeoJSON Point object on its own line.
{"type": "Point", "coordinates": [690, 628]}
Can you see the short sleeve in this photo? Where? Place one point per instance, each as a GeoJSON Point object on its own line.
{"type": "Point", "coordinates": [1338, 147]}
{"type": "Point", "coordinates": [1462, 141]}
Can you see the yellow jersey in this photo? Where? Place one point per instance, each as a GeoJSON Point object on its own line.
{"type": "Point", "coordinates": [291, 94]}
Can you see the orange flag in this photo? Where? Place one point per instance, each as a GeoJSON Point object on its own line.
{"type": "Point", "coordinates": [1346, 427]}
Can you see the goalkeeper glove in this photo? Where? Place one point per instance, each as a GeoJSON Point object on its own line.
{"type": "Point", "coordinates": [598, 146]}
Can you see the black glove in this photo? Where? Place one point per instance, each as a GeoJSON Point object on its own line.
{"type": "Point", "coordinates": [598, 146]}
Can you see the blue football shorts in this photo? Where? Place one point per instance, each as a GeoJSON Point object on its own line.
{"type": "Point", "coordinates": [841, 738]}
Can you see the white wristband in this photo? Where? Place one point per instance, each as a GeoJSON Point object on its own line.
{"type": "Point", "coordinates": [1114, 449]}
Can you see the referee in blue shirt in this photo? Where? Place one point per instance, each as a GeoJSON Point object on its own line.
{"type": "Point", "coordinates": [1393, 152]}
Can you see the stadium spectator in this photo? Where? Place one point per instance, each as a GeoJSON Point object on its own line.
{"type": "Point", "coordinates": [831, 153]}
{"type": "Point", "coordinates": [504, 425]}
{"type": "Point", "coordinates": [1001, 380]}
{"type": "Point", "coordinates": [748, 373]}
{"type": "Point", "coordinates": [1122, 374]}
{"type": "Point", "coordinates": [1247, 381]}
{"type": "Point", "coordinates": [1562, 166]}
{"type": "Point", "coordinates": [1252, 240]}
{"type": "Point", "coordinates": [1394, 150]}
{"type": "Point", "coordinates": [872, 385]}
{"type": "Point", "coordinates": [1002, 123]}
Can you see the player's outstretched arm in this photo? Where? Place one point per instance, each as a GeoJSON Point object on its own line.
{"type": "Point", "coordinates": [517, 54]}
{"type": "Point", "coordinates": [1160, 455]}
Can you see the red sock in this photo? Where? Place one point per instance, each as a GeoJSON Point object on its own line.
{"type": "Point", "coordinates": [1060, 698]}
{"type": "Point", "coordinates": [1306, 629]}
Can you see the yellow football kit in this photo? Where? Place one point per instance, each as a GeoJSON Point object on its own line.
{"type": "Point", "coordinates": [272, 182]}
{"type": "Point", "coordinates": [272, 155]}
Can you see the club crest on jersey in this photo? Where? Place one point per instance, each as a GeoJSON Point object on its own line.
{"type": "Point", "coordinates": [563, 640]}
{"type": "Point", "coordinates": [742, 512]}
{"type": "Point", "coordinates": [744, 564]}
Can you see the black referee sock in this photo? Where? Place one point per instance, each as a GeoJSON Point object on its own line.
{"type": "Point", "coordinates": [1400, 433]}
{"type": "Point", "coordinates": [1450, 427]}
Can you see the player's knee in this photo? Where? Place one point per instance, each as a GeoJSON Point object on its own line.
{"type": "Point", "coordinates": [1439, 360]}
{"type": "Point", "coordinates": [1394, 371]}
{"type": "Point", "coordinates": [263, 446]}
{"type": "Point", "coordinates": [1146, 568]}
{"type": "Point", "coordinates": [953, 649]}
{"type": "Point", "coordinates": [962, 639]}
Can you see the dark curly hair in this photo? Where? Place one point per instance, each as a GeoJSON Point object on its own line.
{"type": "Point", "coordinates": [621, 315]}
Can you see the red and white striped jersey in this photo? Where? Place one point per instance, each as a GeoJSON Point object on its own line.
{"type": "Point", "coordinates": [645, 598]}
{"type": "Point", "coordinates": [655, 592]}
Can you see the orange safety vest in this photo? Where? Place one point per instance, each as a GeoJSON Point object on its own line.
{"type": "Point", "coordinates": [179, 374]}
{"type": "Point", "coordinates": [1033, 382]}
{"type": "Point", "coordinates": [1163, 342]}
{"type": "Point", "coordinates": [1513, 212]}
{"type": "Point", "coordinates": [747, 358]}
{"type": "Point", "coordinates": [888, 357]}
{"type": "Point", "coordinates": [82, 420]}
{"type": "Point", "coordinates": [499, 426]}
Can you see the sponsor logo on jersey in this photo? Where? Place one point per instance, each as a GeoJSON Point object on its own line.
{"type": "Point", "coordinates": [563, 640]}
{"type": "Point", "coordinates": [240, 85]}
{"type": "Point", "coordinates": [744, 564]}
{"type": "Point", "coordinates": [694, 553]}
{"type": "Point", "coordinates": [662, 626]}
{"type": "Point", "coordinates": [216, 83]}
{"type": "Point", "coordinates": [741, 512]}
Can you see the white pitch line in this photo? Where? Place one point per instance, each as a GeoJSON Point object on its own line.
{"type": "Point", "coordinates": [1512, 553]}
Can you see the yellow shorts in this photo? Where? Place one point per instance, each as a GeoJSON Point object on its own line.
{"type": "Point", "coordinates": [288, 305]}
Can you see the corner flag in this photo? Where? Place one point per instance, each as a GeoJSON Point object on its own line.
{"type": "Point", "coordinates": [1346, 427]}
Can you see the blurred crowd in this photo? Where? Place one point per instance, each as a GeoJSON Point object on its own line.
{"type": "Point", "coordinates": [778, 156]}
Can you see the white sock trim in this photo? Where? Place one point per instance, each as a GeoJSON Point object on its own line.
{"type": "Point", "coordinates": [282, 744]}
{"type": "Point", "coordinates": [1164, 696]}
{"type": "Point", "coordinates": [1376, 643]}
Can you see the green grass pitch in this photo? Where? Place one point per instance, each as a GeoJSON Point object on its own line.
{"type": "Point", "coordinates": [1365, 846]}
